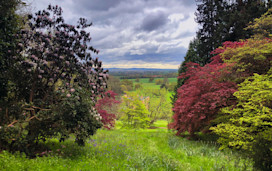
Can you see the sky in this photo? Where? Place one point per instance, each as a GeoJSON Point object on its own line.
{"type": "Point", "coordinates": [133, 33]}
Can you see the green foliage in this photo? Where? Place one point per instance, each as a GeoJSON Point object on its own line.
{"type": "Point", "coordinates": [172, 86]}
{"type": "Point", "coordinates": [159, 81]}
{"type": "Point", "coordinates": [114, 84]}
{"type": "Point", "coordinates": [151, 79]}
{"type": "Point", "coordinates": [222, 21]}
{"type": "Point", "coordinates": [9, 25]}
{"type": "Point", "coordinates": [138, 86]}
{"type": "Point", "coordinates": [262, 26]}
{"type": "Point", "coordinates": [135, 114]}
{"type": "Point", "coordinates": [253, 57]}
{"type": "Point", "coordinates": [158, 105]}
{"type": "Point", "coordinates": [251, 118]}
{"type": "Point", "coordinates": [127, 85]}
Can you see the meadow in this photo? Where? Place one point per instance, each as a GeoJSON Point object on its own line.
{"type": "Point", "coordinates": [152, 85]}
{"type": "Point", "coordinates": [129, 149]}
{"type": "Point", "coordinates": [145, 82]}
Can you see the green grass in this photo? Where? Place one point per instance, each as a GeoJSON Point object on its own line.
{"type": "Point", "coordinates": [145, 82]}
{"type": "Point", "coordinates": [161, 123]}
{"type": "Point", "coordinates": [120, 149]}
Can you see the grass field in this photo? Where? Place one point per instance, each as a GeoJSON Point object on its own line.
{"type": "Point", "coordinates": [146, 84]}
{"type": "Point", "coordinates": [120, 149]}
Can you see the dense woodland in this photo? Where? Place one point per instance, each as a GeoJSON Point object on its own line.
{"type": "Point", "coordinates": [53, 90]}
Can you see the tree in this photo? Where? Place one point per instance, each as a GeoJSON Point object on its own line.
{"type": "Point", "coordinates": [151, 79]}
{"type": "Point", "coordinates": [157, 104]}
{"type": "Point", "coordinates": [114, 84]}
{"type": "Point", "coordinates": [9, 26]}
{"type": "Point", "coordinates": [104, 106]}
{"type": "Point", "coordinates": [219, 23]}
{"type": "Point", "coordinates": [249, 128]}
{"type": "Point", "coordinates": [250, 119]}
{"type": "Point", "coordinates": [191, 56]}
{"type": "Point", "coordinates": [201, 97]}
{"type": "Point", "coordinates": [138, 86]}
{"type": "Point", "coordinates": [158, 81]}
{"type": "Point", "coordinates": [262, 26]}
{"type": "Point", "coordinates": [53, 85]}
{"type": "Point", "coordinates": [128, 84]}
{"type": "Point", "coordinates": [253, 56]}
{"type": "Point", "coordinates": [135, 114]}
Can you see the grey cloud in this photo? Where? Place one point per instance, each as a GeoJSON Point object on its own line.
{"type": "Point", "coordinates": [97, 5]}
{"type": "Point", "coordinates": [154, 21]}
{"type": "Point", "coordinates": [124, 28]}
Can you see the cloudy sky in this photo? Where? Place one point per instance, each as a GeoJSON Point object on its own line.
{"type": "Point", "coordinates": [134, 33]}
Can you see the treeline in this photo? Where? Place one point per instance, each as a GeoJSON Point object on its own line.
{"type": "Point", "coordinates": [145, 74]}
{"type": "Point", "coordinates": [224, 84]}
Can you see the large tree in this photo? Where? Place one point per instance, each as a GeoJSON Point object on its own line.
{"type": "Point", "coordinates": [53, 83]}
{"type": "Point", "coordinates": [224, 20]}
{"type": "Point", "coordinates": [9, 25]}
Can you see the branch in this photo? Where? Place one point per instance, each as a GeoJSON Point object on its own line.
{"type": "Point", "coordinates": [12, 123]}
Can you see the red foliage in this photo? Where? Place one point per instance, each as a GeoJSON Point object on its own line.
{"type": "Point", "coordinates": [217, 59]}
{"type": "Point", "coordinates": [108, 119]}
{"type": "Point", "coordinates": [201, 97]}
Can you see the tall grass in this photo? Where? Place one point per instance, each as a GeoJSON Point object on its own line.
{"type": "Point", "coordinates": [120, 149]}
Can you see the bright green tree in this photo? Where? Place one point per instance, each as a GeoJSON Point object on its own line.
{"type": "Point", "coordinates": [250, 120]}
{"type": "Point", "coordinates": [134, 112]}
{"type": "Point", "coordinates": [158, 105]}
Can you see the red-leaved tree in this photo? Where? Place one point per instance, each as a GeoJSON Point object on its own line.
{"type": "Point", "coordinates": [201, 97]}
{"type": "Point", "coordinates": [206, 90]}
{"type": "Point", "coordinates": [103, 105]}
{"type": "Point", "coordinates": [226, 45]}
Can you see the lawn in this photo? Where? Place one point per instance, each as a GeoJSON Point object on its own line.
{"type": "Point", "coordinates": [121, 149]}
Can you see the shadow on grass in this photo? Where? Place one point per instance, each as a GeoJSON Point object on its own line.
{"type": "Point", "coordinates": [67, 149]}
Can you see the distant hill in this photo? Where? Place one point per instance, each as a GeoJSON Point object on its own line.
{"type": "Point", "coordinates": [127, 73]}
{"type": "Point", "coordinates": [141, 69]}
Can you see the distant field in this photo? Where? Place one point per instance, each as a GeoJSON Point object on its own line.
{"type": "Point", "coordinates": [146, 80]}
{"type": "Point", "coordinates": [146, 84]}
